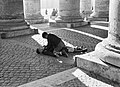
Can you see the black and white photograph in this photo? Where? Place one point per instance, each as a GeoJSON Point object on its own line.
{"type": "Point", "coordinates": [59, 43]}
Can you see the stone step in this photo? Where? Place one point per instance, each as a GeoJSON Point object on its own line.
{"type": "Point", "coordinates": [68, 25]}
{"type": "Point", "coordinates": [10, 24]}
{"type": "Point", "coordinates": [68, 78]}
{"type": "Point", "coordinates": [98, 19]}
{"type": "Point", "coordinates": [92, 63]}
{"type": "Point", "coordinates": [19, 32]}
{"type": "Point", "coordinates": [53, 80]}
{"type": "Point", "coordinates": [12, 21]}
{"type": "Point", "coordinates": [15, 28]}
{"type": "Point", "coordinates": [36, 21]}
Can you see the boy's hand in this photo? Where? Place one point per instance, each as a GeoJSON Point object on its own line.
{"type": "Point", "coordinates": [45, 47]}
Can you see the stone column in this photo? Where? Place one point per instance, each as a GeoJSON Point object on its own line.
{"type": "Point", "coordinates": [32, 11]}
{"type": "Point", "coordinates": [100, 9]}
{"type": "Point", "coordinates": [109, 49]}
{"type": "Point", "coordinates": [12, 21]}
{"type": "Point", "coordinates": [69, 14]}
{"type": "Point", "coordinates": [85, 6]}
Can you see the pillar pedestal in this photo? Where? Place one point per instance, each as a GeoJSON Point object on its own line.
{"type": "Point", "coordinates": [12, 21]}
{"type": "Point", "coordinates": [68, 23]}
{"type": "Point", "coordinates": [69, 15]}
{"type": "Point", "coordinates": [35, 18]}
{"type": "Point", "coordinates": [32, 11]}
{"type": "Point", "coordinates": [108, 53]}
{"type": "Point", "coordinates": [100, 10]}
{"type": "Point", "coordinates": [109, 49]}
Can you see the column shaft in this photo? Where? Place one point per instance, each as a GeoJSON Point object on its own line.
{"type": "Point", "coordinates": [86, 7]}
{"type": "Point", "coordinates": [114, 30]}
{"type": "Point", "coordinates": [32, 11]}
{"type": "Point", "coordinates": [100, 9]}
{"type": "Point", "coordinates": [69, 9]}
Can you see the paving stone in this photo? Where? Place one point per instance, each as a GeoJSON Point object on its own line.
{"type": "Point", "coordinates": [87, 79]}
{"type": "Point", "coordinates": [21, 64]}
{"type": "Point", "coordinates": [95, 31]}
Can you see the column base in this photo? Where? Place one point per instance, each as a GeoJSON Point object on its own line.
{"type": "Point", "coordinates": [99, 16]}
{"type": "Point", "coordinates": [98, 19]}
{"type": "Point", "coordinates": [11, 34]}
{"type": "Point", "coordinates": [92, 63]}
{"type": "Point", "coordinates": [14, 28]}
{"type": "Point", "coordinates": [35, 19]}
{"type": "Point", "coordinates": [108, 54]}
{"type": "Point", "coordinates": [60, 23]}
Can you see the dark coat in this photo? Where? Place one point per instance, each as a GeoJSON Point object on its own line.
{"type": "Point", "coordinates": [53, 41]}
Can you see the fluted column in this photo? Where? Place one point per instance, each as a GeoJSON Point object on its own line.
{"type": "Point", "coordinates": [69, 10]}
{"type": "Point", "coordinates": [69, 13]}
{"type": "Point", "coordinates": [85, 5]}
{"type": "Point", "coordinates": [32, 11]}
{"type": "Point", "coordinates": [12, 21]}
{"type": "Point", "coordinates": [109, 49]}
{"type": "Point", "coordinates": [100, 9]}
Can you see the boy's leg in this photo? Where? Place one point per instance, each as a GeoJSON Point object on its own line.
{"type": "Point", "coordinates": [75, 49]}
{"type": "Point", "coordinates": [64, 53]}
{"type": "Point", "coordinates": [50, 53]}
{"type": "Point", "coordinates": [46, 52]}
{"type": "Point", "coordinates": [37, 51]}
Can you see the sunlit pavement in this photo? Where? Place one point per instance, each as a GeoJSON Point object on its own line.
{"type": "Point", "coordinates": [72, 78]}
{"type": "Point", "coordinates": [19, 63]}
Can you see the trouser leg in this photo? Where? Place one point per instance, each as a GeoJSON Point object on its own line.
{"type": "Point", "coordinates": [48, 53]}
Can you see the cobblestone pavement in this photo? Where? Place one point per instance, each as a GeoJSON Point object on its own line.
{"type": "Point", "coordinates": [94, 31]}
{"type": "Point", "coordinates": [88, 29]}
{"type": "Point", "coordinates": [20, 64]}
{"type": "Point", "coordinates": [44, 27]}
{"type": "Point", "coordinates": [89, 80]}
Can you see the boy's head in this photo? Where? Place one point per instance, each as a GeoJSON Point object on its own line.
{"type": "Point", "coordinates": [44, 35]}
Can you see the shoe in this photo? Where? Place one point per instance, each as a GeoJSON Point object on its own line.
{"type": "Point", "coordinates": [60, 53]}
{"type": "Point", "coordinates": [85, 50]}
{"type": "Point", "coordinates": [79, 48]}
{"type": "Point", "coordinates": [56, 55]}
{"type": "Point", "coordinates": [37, 51]}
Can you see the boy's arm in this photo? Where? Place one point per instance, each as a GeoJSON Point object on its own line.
{"type": "Point", "coordinates": [48, 45]}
